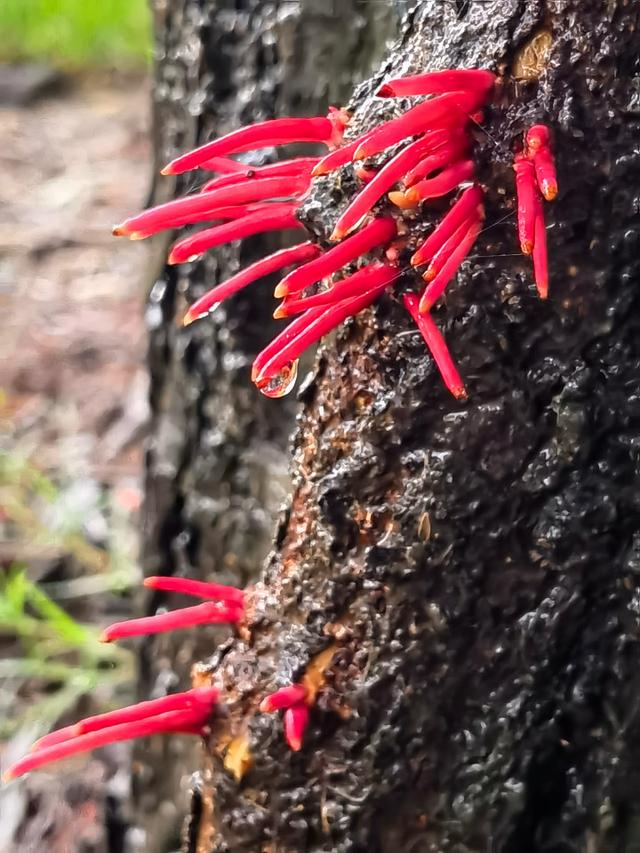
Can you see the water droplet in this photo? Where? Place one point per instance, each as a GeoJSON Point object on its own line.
{"type": "Point", "coordinates": [282, 383]}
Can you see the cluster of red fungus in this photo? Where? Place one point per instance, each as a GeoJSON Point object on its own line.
{"type": "Point", "coordinates": [247, 200]}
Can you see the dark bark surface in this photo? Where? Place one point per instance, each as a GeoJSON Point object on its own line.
{"type": "Point", "coordinates": [217, 464]}
{"type": "Point", "coordinates": [473, 569]}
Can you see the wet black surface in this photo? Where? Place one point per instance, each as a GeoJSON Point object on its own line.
{"type": "Point", "coordinates": [481, 558]}
{"type": "Point", "coordinates": [219, 455]}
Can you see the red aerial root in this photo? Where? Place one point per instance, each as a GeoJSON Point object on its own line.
{"type": "Point", "coordinates": [438, 82]}
{"type": "Point", "coordinates": [443, 156]}
{"type": "Point", "coordinates": [267, 217]}
{"type": "Point", "coordinates": [376, 233]}
{"type": "Point", "coordinates": [437, 347]}
{"type": "Point", "coordinates": [265, 266]}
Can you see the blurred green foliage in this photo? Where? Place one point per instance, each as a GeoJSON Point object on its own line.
{"type": "Point", "coordinates": [76, 33]}
{"type": "Point", "coordinates": [47, 657]}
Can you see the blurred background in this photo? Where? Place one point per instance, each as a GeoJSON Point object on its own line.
{"type": "Point", "coordinates": [74, 160]}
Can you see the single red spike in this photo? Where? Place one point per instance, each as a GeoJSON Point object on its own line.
{"type": "Point", "coordinates": [186, 617]}
{"type": "Point", "coordinates": [200, 699]}
{"type": "Point", "coordinates": [265, 134]}
{"type": "Point", "coordinates": [187, 721]}
{"type": "Point", "coordinates": [199, 589]}
{"type": "Point", "coordinates": [545, 169]}
{"type": "Point", "coordinates": [364, 173]}
{"type": "Point", "coordinates": [456, 149]}
{"type": "Point", "coordinates": [367, 277]}
{"type": "Point", "coordinates": [537, 137]}
{"type": "Point", "coordinates": [246, 172]}
{"type": "Point", "coordinates": [204, 206]}
{"type": "Point", "coordinates": [311, 326]}
{"type": "Point", "coordinates": [294, 694]}
{"type": "Point", "coordinates": [442, 184]}
{"type": "Point", "coordinates": [378, 232]}
{"type": "Point", "coordinates": [267, 217]}
{"type": "Point", "coordinates": [295, 328]}
{"type": "Point", "coordinates": [464, 208]}
{"type": "Point", "coordinates": [439, 82]}
{"type": "Point", "coordinates": [444, 252]}
{"type": "Point", "coordinates": [265, 266]}
{"type": "Point", "coordinates": [540, 262]}
{"type": "Point", "coordinates": [458, 247]}
{"type": "Point", "coordinates": [222, 214]}
{"type": "Point", "coordinates": [296, 720]}
{"type": "Point", "coordinates": [388, 175]}
{"type": "Point", "coordinates": [224, 165]}
{"type": "Point", "coordinates": [436, 346]}
{"type": "Point", "coordinates": [444, 110]}
{"type": "Point", "coordinates": [526, 192]}
{"type": "Point", "coordinates": [334, 159]}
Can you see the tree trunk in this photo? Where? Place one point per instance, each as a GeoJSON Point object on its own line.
{"type": "Point", "coordinates": [471, 571]}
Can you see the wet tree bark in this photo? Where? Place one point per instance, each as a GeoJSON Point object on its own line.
{"type": "Point", "coordinates": [461, 579]}
{"type": "Point", "coordinates": [218, 458]}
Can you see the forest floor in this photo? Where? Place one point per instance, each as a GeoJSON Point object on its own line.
{"type": "Point", "coordinates": [74, 160]}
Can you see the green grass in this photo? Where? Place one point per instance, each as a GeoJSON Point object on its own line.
{"type": "Point", "coordinates": [76, 33]}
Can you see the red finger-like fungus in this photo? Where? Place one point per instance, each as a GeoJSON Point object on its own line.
{"type": "Point", "coordinates": [526, 192]}
{"type": "Point", "coordinates": [308, 329]}
{"type": "Point", "coordinates": [340, 157]}
{"type": "Point", "coordinates": [389, 174]}
{"type": "Point", "coordinates": [265, 266]}
{"type": "Point", "coordinates": [192, 717]}
{"type": "Point", "coordinates": [463, 209]}
{"type": "Point", "coordinates": [442, 184]}
{"type": "Point", "coordinates": [198, 700]}
{"type": "Point", "coordinates": [293, 694]}
{"type": "Point", "coordinates": [441, 111]}
{"type": "Point", "coordinates": [376, 233]}
{"type": "Point", "coordinates": [268, 217]}
{"type": "Point", "coordinates": [444, 268]}
{"type": "Point", "coordinates": [296, 720]}
{"type": "Point", "coordinates": [210, 613]}
{"type": "Point", "coordinates": [438, 82]}
{"type": "Point", "coordinates": [279, 131]}
{"type": "Point", "coordinates": [224, 165]}
{"type": "Point", "coordinates": [198, 589]}
{"type": "Point", "coordinates": [456, 149]}
{"type": "Point", "coordinates": [437, 347]}
{"type": "Point", "coordinates": [205, 206]}
{"type": "Point", "coordinates": [545, 169]}
{"type": "Point", "coordinates": [540, 263]}
{"type": "Point", "coordinates": [537, 137]}
{"type": "Point", "coordinates": [373, 275]}
{"type": "Point", "coordinates": [244, 172]}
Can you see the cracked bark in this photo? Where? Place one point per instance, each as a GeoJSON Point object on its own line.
{"type": "Point", "coordinates": [473, 569]}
